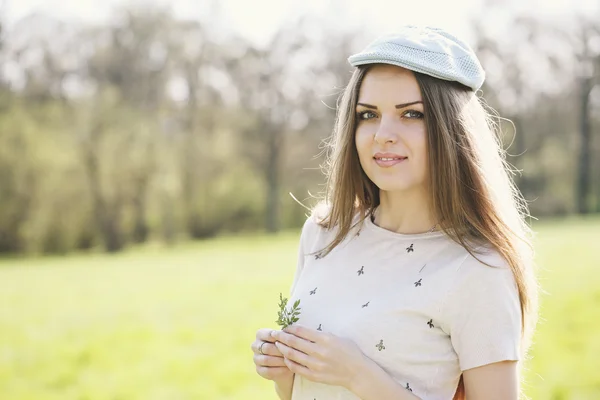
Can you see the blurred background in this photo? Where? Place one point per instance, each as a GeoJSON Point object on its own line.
{"type": "Point", "coordinates": [148, 150]}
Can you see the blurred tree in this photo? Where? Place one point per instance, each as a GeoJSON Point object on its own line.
{"type": "Point", "coordinates": [130, 62]}
{"type": "Point", "coordinates": [528, 63]}
{"type": "Point", "coordinates": [198, 59]}
{"type": "Point", "coordinates": [148, 123]}
{"type": "Point", "coordinates": [268, 89]}
{"type": "Point", "coordinates": [586, 42]}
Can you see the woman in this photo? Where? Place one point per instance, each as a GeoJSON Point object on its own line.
{"type": "Point", "coordinates": [415, 274]}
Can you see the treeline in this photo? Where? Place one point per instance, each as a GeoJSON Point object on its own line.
{"type": "Point", "coordinates": [151, 127]}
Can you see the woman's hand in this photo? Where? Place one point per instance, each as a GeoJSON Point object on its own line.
{"type": "Point", "coordinates": [319, 356]}
{"type": "Point", "coordinates": [270, 365]}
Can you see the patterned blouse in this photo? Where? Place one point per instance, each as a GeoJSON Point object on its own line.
{"type": "Point", "coordinates": [419, 305]}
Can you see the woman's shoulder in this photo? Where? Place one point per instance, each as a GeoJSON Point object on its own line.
{"type": "Point", "coordinates": [319, 217]}
{"type": "Point", "coordinates": [315, 218]}
{"type": "Point", "coordinates": [316, 229]}
{"type": "Point", "coordinates": [319, 213]}
{"type": "Point", "coordinates": [485, 255]}
{"type": "Point", "coordinates": [486, 268]}
{"type": "Point", "coordinates": [314, 223]}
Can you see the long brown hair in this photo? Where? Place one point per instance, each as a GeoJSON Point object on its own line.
{"type": "Point", "coordinates": [472, 193]}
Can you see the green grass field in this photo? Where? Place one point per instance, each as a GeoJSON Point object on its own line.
{"type": "Point", "coordinates": [177, 323]}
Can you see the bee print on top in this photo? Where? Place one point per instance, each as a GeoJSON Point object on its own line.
{"type": "Point", "coordinates": [418, 283]}
{"type": "Point", "coordinates": [408, 387]}
{"type": "Point", "coordinates": [313, 291]}
{"type": "Point", "coordinates": [410, 248]}
{"type": "Point", "coordinates": [430, 323]}
{"type": "Point", "coordinates": [361, 271]}
{"type": "Point", "coordinates": [319, 328]}
{"type": "Point", "coordinates": [366, 304]}
{"type": "Point", "coordinates": [380, 345]}
{"type": "Point", "coordinates": [318, 256]}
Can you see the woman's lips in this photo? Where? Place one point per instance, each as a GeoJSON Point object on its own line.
{"type": "Point", "coordinates": [387, 162]}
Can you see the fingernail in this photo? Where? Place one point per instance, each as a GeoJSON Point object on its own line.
{"type": "Point", "coordinates": [274, 334]}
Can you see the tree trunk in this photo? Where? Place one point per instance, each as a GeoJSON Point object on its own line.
{"type": "Point", "coordinates": [272, 177]}
{"type": "Point", "coordinates": [140, 230]}
{"type": "Point", "coordinates": [583, 170]}
{"type": "Point", "coordinates": [107, 217]}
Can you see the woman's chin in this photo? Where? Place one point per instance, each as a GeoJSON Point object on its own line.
{"type": "Point", "coordinates": [386, 185]}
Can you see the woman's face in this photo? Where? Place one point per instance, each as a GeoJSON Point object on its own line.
{"type": "Point", "coordinates": [390, 131]}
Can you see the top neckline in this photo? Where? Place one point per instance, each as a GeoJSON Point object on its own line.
{"type": "Point", "coordinates": [370, 225]}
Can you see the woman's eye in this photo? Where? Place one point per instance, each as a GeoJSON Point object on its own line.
{"type": "Point", "coordinates": [410, 114]}
{"type": "Point", "coordinates": [414, 114]}
{"type": "Point", "coordinates": [366, 115]}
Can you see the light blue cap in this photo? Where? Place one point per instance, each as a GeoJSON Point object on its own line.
{"type": "Point", "coordinates": [428, 50]}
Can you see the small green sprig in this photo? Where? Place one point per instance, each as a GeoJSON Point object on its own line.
{"type": "Point", "coordinates": [287, 318]}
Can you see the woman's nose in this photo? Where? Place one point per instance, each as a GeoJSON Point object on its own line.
{"type": "Point", "coordinates": [386, 132]}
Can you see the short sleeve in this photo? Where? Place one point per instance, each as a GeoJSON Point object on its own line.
{"type": "Point", "coordinates": [302, 251]}
{"type": "Point", "coordinates": [484, 312]}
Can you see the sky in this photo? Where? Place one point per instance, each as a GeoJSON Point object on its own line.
{"type": "Point", "coordinates": [259, 19]}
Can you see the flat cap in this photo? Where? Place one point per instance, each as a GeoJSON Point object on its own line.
{"type": "Point", "coordinates": [428, 50]}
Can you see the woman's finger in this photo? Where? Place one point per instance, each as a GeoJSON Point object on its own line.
{"type": "Point", "coordinates": [293, 354]}
{"type": "Point", "coordinates": [272, 373]}
{"type": "Point", "coordinates": [267, 348]}
{"type": "Point", "coordinates": [295, 342]}
{"type": "Point", "coordinates": [265, 335]}
{"type": "Point", "coordinates": [300, 369]}
{"type": "Point", "coordinates": [269, 361]}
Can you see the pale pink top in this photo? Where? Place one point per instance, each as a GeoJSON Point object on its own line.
{"type": "Point", "coordinates": [418, 305]}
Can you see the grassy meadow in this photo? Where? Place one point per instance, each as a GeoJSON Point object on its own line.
{"type": "Point", "coordinates": [177, 323]}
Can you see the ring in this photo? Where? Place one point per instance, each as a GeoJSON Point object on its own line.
{"type": "Point", "coordinates": [260, 349]}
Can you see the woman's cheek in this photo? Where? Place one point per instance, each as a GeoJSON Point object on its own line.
{"type": "Point", "coordinates": [362, 140]}
{"type": "Point", "coordinates": [365, 132]}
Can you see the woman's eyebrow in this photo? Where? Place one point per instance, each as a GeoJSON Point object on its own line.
{"type": "Point", "coordinates": [397, 105]}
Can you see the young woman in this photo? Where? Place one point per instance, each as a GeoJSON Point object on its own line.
{"type": "Point", "coordinates": [415, 272]}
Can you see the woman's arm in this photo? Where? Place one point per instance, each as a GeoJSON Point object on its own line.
{"type": "Point", "coordinates": [496, 381]}
{"type": "Point", "coordinates": [284, 388]}
{"type": "Point", "coordinates": [373, 383]}
{"type": "Point", "coordinates": [327, 358]}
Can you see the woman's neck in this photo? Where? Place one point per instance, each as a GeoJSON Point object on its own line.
{"type": "Point", "coordinates": [404, 213]}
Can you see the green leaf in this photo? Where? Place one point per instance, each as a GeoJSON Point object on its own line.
{"type": "Point", "coordinates": [287, 317]}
